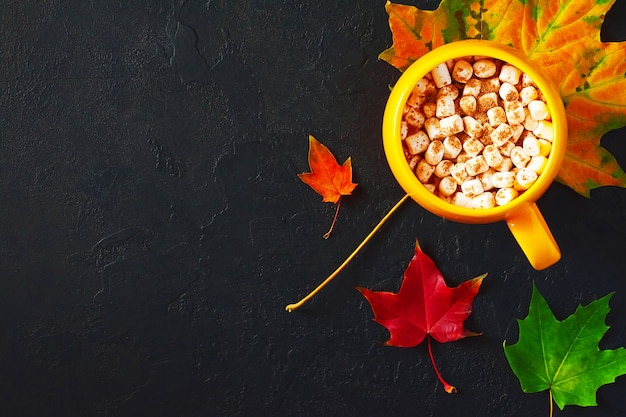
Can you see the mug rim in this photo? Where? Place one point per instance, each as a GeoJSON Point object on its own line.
{"type": "Point", "coordinates": [392, 118]}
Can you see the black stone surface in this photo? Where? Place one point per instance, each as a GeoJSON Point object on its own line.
{"type": "Point", "coordinates": [152, 226]}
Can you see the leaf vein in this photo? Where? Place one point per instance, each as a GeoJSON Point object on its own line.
{"type": "Point", "coordinates": [576, 338]}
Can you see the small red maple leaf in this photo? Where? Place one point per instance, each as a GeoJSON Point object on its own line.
{"type": "Point", "coordinates": [327, 177]}
{"type": "Point", "coordinates": [425, 305]}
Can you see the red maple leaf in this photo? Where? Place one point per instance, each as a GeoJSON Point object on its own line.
{"type": "Point", "coordinates": [327, 177]}
{"type": "Point", "coordinates": [425, 305]}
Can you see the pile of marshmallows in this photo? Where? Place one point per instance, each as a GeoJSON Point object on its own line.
{"type": "Point", "coordinates": [477, 132]}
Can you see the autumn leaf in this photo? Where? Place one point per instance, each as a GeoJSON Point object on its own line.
{"type": "Point", "coordinates": [563, 356]}
{"type": "Point", "coordinates": [424, 306]}
{"type": "Point", "coordinates": [561, 38]}
{"type": "Point", "coordinates": [327, 177]}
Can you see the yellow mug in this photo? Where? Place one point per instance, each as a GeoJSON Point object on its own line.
{"type": "Point", "coordinates": [521, 214]}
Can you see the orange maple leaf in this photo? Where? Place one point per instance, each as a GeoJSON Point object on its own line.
{"type": "Point", "coordinates": [563, 39]}
{"type": "Point", "coordinates": [327, 177]}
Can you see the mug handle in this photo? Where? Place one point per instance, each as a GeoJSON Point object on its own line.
{"type": "Point", "coordinates": [533, 235]}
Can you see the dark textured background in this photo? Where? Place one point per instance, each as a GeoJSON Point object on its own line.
{"type": "Point", "coordinates": [152, 226]}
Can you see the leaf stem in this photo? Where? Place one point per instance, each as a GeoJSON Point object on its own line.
{"type": "Point", "coordinates": [292, 307]}
{"type": "Point", "coordinates": [332, 225]}
{"type": "Point", "coordinates": [450, 389]}
{"type": "Point", "coordinates": [551, 402]}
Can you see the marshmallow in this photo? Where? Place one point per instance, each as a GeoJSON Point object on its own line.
{"type": "Point", "coordinates": [417, 142]}
{"type": "Point", "coordinates": [441, 75]}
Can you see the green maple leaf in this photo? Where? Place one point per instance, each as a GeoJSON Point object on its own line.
{"type": "Point", "coordinates": [563, 356]}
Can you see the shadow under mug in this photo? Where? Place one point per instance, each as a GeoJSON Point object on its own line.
{"type": "Point", "coordinates": [521, 214]}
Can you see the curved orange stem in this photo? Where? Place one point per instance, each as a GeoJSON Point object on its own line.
{"type": "Point", "coordinates": [295, 306]}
